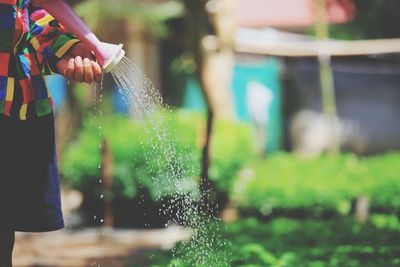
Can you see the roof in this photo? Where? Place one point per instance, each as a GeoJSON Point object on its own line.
{"type": "Point", "coordinates": [278, 43]}
{"type": "Point", "coordinates": [289, 13]}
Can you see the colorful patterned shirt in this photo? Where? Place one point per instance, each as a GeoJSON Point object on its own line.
{"type": "Point", "coordinates": [31, 42]}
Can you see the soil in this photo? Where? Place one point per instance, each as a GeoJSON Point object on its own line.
{"type": "Point", "coordinates": [94, 247]}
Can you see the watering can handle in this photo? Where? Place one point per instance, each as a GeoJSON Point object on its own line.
{"type": "Point", "coordinates": [41, 2]}
{"type": "Point", "coordinates": [64, 14]}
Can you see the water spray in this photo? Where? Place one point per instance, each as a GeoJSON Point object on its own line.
{"type": "Point", "coordinates": [108, 55]}
{"type": "Point", "coordinates": [142, 100]}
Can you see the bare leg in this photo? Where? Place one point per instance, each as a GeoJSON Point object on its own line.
{"type": "Point", "coordinates": [7, 239]}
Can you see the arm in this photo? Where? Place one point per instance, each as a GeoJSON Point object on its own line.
{"type": "Point", "coordinates": [59, 51]}
{"type": "Point", "coordinates": [50, 40]}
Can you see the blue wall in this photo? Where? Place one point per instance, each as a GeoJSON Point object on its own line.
{"type": "Point", "coordinates": [265, 72]}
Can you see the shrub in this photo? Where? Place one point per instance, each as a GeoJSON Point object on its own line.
{"type": "Point", "coordinates": [305, 243]}
{"type": "Point", "coordinates": [285, 181]}
{"type": "Point", "coordinates": [143, 158]}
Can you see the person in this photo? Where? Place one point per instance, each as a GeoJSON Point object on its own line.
{"type": "Point", "coordinates": [32, 44]}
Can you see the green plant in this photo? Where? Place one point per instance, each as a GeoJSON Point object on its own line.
{"type": "Point", "coordinates": [150, 16]}
{"type": "Point", "coordinates": [285, 181]}
{"type": "Point", "coordinates": [131, 148]}
{"type": "Point", "coordinates": [339, 242]}
{"type": "Point", "coordinates": [231, 148]}
{"type": "Point", "coordinates": [143, 156]}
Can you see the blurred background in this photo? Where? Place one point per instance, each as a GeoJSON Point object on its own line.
{"type": "Point", "coordinates": [288, 109]}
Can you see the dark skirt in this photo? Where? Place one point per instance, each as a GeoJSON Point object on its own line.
{"type": "Point", "coordinates": [29, 182]}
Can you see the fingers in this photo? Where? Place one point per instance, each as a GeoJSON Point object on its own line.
{"type": "Point", "coordinates": [98, 75]}
{"type": "Point", "coordinates": [79, 70]}
{"type": "Point", "coordinates": [78, 75]}
{"type": "Point", "coordinates": [88, 72]}
{"type": "Point", "coordinates": [69, 71]}
{"type": "Point", "coordinates": [92, 71]}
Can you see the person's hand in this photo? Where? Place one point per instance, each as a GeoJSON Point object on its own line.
{"type": "Point", "coordinates": [79, 64]}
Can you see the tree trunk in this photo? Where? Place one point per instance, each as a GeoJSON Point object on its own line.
{"type": "Point", "coordinates": [206, 185]}
{"type": "Point", "coordinates": [107, 184]}
{"type": "Point", "coordinates": [210, 39]}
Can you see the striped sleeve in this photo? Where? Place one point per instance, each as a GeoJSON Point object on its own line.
{"type": "Point", "coordinates": [50, 40]}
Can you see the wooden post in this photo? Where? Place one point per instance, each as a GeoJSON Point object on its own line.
{"type": "Point", "coordinates": [326, 75]}
{"type": "Point", "coordinates": [219, 57]}
{"type": "Point", "coordinates": [361, 209]}
{"type": "Point", "coordinates": [211, 30]}
{"type": "Point", "coordinates": [107, 163]}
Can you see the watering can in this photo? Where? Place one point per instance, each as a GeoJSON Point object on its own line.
{"type": "Point", "coordinates": [108, 55]}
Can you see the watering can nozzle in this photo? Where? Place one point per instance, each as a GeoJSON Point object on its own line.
{"type": "Point", "coordinates": [109, 55]}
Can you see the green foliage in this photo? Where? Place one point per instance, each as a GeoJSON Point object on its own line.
{"type": "Point", "coordinates": [141, 158]}
{"type": "Point", "coordinates": [231, 148]}
{"type": "Point", "coordinates": [308, 243]}
{"type": "Point", "coordinates": [290, 182]}
{"type": "Point", "coordinates": [151, 16]}
{"type": "Point", "coordinates": [130, 145]}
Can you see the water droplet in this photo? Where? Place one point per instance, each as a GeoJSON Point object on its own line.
{"type": "Point", "coordinates": [160, 148]}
